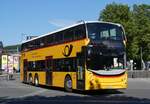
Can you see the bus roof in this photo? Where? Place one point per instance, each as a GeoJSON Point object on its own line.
{"type": "Point", "coordinates": [76, 24]}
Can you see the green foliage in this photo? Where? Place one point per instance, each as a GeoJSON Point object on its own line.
{"type": "Point", "coordinates": [122, 13]}
{"type": "Point", "coordinates": [136, 21]}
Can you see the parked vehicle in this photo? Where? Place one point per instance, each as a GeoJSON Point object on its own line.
{"type": "Point", "coordinates": [148, 65]}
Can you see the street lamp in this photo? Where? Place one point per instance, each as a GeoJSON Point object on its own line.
{"type": "Point", "coordinates": [23, 35]}
{"type": "Point", "coordinates": [142, 62]}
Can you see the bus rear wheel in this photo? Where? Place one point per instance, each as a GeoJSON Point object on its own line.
{"type": "Point", "coordinates": [68, 84]}
{"type": "Point", "coordinates": [36, 81]}
{"type": "Point", "coordinates": [30, 79]}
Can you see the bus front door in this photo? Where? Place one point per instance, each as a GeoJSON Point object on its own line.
{"type": "Point", "coordinates": [80, 74]}
{"type": "Point", "coordinates": [49, 68]}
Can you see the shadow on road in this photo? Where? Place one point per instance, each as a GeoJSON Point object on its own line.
{"type": "Point", "coordinates": [100, 97]}
{"type": "Point", "coordinates": [92, 92]}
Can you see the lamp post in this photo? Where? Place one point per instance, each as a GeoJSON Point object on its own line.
{"type": "Point", "coordinates": [23, 35]}
{"type": "Point", "coordinates": [142, 62]}
{"type": "Point", "coordinates": [141, 57]}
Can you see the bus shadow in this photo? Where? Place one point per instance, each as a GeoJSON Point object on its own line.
{"type": "Point", "coordinates": [98, 92]}
{"type": "Point", "coordinates": [77, 97]}
{"type": "Point", "coordinates": [72, 99]}
{"type": "Point", "coordinates": [91, 92]}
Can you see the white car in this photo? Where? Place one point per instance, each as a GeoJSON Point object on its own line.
{"type": "Point", "coordinates": [148, 65]}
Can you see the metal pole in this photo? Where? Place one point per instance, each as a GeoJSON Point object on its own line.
{"type": "Point", "coordinates": [23, 35]}
{"type": "Point", "coordinates": [142, 62]}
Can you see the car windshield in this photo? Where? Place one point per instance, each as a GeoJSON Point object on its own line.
{"type": "Point", "coordinates": [104, 31]}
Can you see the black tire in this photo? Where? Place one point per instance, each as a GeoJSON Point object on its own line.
{"type": "Point", "coordinates": [36, 80]}
{"type": "Point", "coordinates": [30, 79]}
{"type": "Point", "coordinates": [68, 84]}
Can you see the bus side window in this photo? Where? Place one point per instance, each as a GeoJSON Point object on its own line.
{"type": "Point", "coordinates": [49, 64]}
{"type": "Point", "coordinates": [37, 43]}
{"type": "Point", "coordinates": [23, 47]}
{"type": "Point", "coordinates": [50, 39]}
{"type": "Point", "coordinates": [80, 32]}
{"type": "Point", "coordinates": [36, 65]}
{"type": "Point", "coordinates": [68, 35]}
{"type": "Point", "coordinates": [57, 65]}
{"type": "Point", "coordinates": [40, 65]}
{"type": "Point", "coordinates": [64, 64]}
{"type": "Point", "coordinates": [42, 42]}
{"type": "Point", "coordinates": [59, 37]}
{"type": "Point", "coordinates": [26, 47]}
{"type": "Point", "coordinates": [67, 65]}
{"type": "Point", "coordinates": [25, 64]}
{"type": "Point", "coordinates": [70, 64]}
{"type": "Point", "coordinates": [30, 65]}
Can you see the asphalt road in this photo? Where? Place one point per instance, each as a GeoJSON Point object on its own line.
{"type": "Point", "coordinates": [15, 92]}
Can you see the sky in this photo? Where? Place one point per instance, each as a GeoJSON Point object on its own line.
{"type": "Point", "coordinates": [20, 18]}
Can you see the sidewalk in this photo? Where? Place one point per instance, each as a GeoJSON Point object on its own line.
{"type": "Point", "coordinates": [139, 79]}
{"type": "Point", "coordinates": [4, 76]}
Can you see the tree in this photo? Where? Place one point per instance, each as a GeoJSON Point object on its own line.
{"type": "Point", "coordinates": [136, 22]}
{"type": "Point", "coordinates": [115, 13]}
{"type": "Point", "coordinates": [141, 15]}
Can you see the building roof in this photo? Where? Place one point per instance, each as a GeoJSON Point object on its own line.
{"type": "Point", "coordinates": [12, 48]}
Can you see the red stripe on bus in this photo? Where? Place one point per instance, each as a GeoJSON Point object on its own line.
{"type": "Point", "coordinates": [108, 76]}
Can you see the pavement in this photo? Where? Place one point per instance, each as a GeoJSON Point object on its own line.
{"type": "Point", "coordinates": [16, 92]}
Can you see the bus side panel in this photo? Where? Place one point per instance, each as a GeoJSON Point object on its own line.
{"type": "Point", "coordinates": [74, 80]}
{"type": "Point", "coordinates": [21, 69]}
{"type": "Point", "coordinates": [59, 79]}
{"type": "Point", "coordinates": [57, 53]}
{"type": "Point", "coordinates": [41, 76]}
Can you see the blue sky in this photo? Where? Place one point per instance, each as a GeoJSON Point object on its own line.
{"type": "Point", "coordinates": [37, 17]}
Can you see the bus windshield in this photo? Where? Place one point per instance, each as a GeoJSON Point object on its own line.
{"type": "Point", "coordinates": [97, 62]}
{"type": "Point", "coordinates": [104, 31]}
{"type": "Point", "coordinates": [106, 49]}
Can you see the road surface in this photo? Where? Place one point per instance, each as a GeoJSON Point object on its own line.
{"type": "Point", "coordinates": [15, 92]}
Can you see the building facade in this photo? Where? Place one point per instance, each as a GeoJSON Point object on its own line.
{"type": "Point", "coordinates": [10, 58]}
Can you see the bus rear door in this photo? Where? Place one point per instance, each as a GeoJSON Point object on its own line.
{"type": "Point", "coordinates": [49, 68]}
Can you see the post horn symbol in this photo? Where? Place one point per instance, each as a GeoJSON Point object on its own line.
{"type": "Point", "coordinates": [67, 50]}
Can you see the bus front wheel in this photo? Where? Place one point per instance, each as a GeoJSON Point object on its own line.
{"type": "Point", "coordinates": [68, 84]}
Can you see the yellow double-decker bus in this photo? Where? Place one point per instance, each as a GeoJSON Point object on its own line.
{"type": "Point", "coordinates": [89, 55]}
